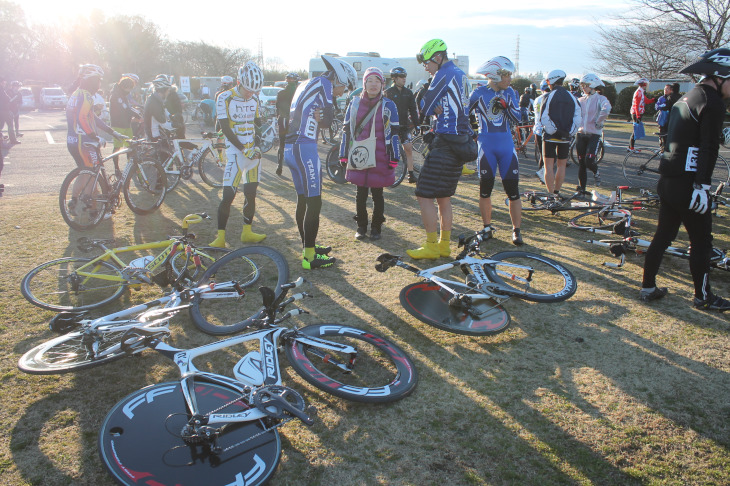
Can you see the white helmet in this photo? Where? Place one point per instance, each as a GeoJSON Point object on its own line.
{"type": "Point", "coordinates": [641, 81]}
{"type": "Point", "coordinates": [496, 67]}
{"type": "Point", "coordinates": [556, 76]}
{"type": "Point", "coordinates": [591, 80]}
{"type": "Point", "coordinates": [162, 81]}
{"type": "Point", "coordinates": [344, 73]}
{"type": "Point", "coordinates": [87, 71]}
{"type": "Point", "coordinates": [250, 77]}
{"type": "Point", "coordinates": [226, 81]}
{"type": "Point", "coordinates": [131, 76]}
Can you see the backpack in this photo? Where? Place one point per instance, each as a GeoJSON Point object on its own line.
{"type": "Point", "coordinates": [557, 113]}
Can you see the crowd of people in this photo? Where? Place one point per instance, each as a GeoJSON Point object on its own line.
{"type": "Point", "coordinates": [464, 126]}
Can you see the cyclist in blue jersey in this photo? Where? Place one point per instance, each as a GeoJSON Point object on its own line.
{"type": "Point", "coordinates": [451, 145]}
{"type": "Point", "coordinates": [237, 111]}
{"type": "Point", "coordinates": [312, 105]}
{"type": "Point", "coordinates": [495, 107]}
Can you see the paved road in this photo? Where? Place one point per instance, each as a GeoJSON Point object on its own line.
{"type": "Point", "coordinates": [40, 163]}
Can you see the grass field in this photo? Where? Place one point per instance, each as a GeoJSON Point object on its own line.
{"type": "Point", "coordinates": [599, 389]}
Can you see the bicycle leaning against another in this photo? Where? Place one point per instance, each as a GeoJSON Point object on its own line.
{"type": "Point", "coordinates": [209, 428]}
{"type": "Point", "coordinates": [88, 194]}
{"type": "Point", "coordinates": [77, 283]}
{"type": "Point", "coordinates": [468, 298]}
{"type": "Point", "coordinates": [204, 153]}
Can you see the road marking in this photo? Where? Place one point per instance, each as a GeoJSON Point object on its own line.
{"type": "Point", "coordinates": [49, 137]}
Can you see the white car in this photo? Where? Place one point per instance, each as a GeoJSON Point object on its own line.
{"type": "Point", "coordinates": [28, 99]}
{"type": "Point", "coordinates": [53, 98]}
{"type": "Point", "coordinates": [267, 96]}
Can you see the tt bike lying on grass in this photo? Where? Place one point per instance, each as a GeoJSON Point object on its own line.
{"type": "Point", "coordinates": [88, 194]}
{"type": "Point", "coordinates": [467, 298]}
{"type": "Point", "coordinates": [214, 429]}
{"type": "Point", "coordinates": [77, 283]}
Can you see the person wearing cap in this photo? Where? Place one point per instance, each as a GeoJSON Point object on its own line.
{"type": "Point", "coordinates": [311, 106]}
{"type": "Point", "coordinates": [692, 146]}
{"type": "Point", "coordinates": [451, 146]}
{"type": "Point", "coordinates": [405, 100]}
{"type": "Point", "coordinates": [638, 105]}
{"type": "Point", "coordinates": [371, 115]}
{"type": "Point", "coordinates": [121, 111]}
{"type": "Point", "coordinates": [283, 104]}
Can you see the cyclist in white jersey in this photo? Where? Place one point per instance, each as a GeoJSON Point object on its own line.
{"type": "Point", "coordinates": [237, 109]}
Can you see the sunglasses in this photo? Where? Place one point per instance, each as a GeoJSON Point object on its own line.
{"type": "Point", "coordinates": [421, 60]}
{"type": "Point", "coordinates": [504, 72]}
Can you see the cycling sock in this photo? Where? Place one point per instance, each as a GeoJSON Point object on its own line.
{"type": "Point", "coordinates": [309, 253]}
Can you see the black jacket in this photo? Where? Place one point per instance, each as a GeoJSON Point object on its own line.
{"type": "Point", "coordinates": [405, 101]}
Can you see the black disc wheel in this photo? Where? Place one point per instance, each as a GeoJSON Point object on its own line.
{"type": "Point", "coordinates": [141, 440]}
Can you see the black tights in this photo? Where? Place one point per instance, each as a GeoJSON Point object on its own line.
{"type": "Point", "coordinates": [674, 197]}
{"type": "Point", "coordinates": [249, 204]}
{"type": "Point", "coordinates": [307, 215]}
{"type": "Point", "coordinates": [361, 208]}
{"type": "Point", "coordinates": [586, 147]}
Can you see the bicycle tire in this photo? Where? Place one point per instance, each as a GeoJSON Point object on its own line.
{"type": "Point", "coordinates": [55, 286]}
{"type": "Point", "coordinates": [142, 433]}
{"type": "Point", "coordinates": [641, 169]}
{"type": "Point", "coordinates": [211, 168]}
{"type": "Point", "coordinates": [605, 218]}
{"type": "Point", "coordinates": [145, 187]}
{"type": "Point", "coordinates": [721, 173]}
{"type": "Point", "coordinates": [335, 171]}
{"type": "Point", "coordinates": [538, 152]}
{"type": "Point", "coordinates": [252, 265]}
{"type": "Point", "coordinates": [83, 199]}
{"type": "Point", "coordinates": [556, 283]}
{"type": "Point", "coordinates": [207, 254]}
{"type": "Point", "coordinates": [430, 303]}
{"type": "Point", "coordinates": [172, 166]}
{"type": "Point", "coordinates": [265, 144]}
{"type": "Point", "coordinates": [400, 169]}
{"type": "Point", "coordinates": [382, 372]}
{"type": "Point", "coordinates": [69, 353]}
{"type": "Point", "coordinates": [601, 151]}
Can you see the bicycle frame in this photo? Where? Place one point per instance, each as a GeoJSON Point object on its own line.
{"type": "Point", "coordinates": [271, 375]}
{"type": "Point", "coordinates": [520, 144]}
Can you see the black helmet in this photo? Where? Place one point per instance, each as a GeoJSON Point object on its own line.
{"type": "Point", "coordinates": [712, 63]}
{"type": "Point", "coordinates": [398, 71]}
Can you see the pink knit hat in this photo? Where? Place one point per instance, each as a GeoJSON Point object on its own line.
{"type": "Point", "coordinates": [373, 71]}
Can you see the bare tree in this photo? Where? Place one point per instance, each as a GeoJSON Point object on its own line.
{"type": "Point", "coordinates": [658, 37]}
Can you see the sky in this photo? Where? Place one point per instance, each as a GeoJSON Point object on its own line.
{"type": "Point", "coordinates": [294, 31]}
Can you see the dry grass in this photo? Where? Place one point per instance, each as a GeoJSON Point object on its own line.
{"type": "Point", "coordinates": [595, 390]}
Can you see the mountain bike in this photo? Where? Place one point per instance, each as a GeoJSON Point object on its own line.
{"type": "Point", "coordinates": [89, 193]}
{"type": "Point", "coordinates": [77, 284]}
{"type": "Point", "coordinates": [209, 428]}
{"type": "Point", "coordinates": [641, 169]}
{"type": "Point", "coordinates": [468, 298]}
{"type": "Point", "coordinates": [203, 153]}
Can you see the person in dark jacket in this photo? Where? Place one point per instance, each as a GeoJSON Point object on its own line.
{"type": "Point", "coordinates": [173, 105]}
{"type": "Point", "coordinates": [693, 143]}
{"type": "Point", "coordinates": [121, 112]}
{"type": "Point", "coordinates": [407, 114]}
{"type": "Point", "coordinates": [283, 105]}
{"type": "Point", "coordinates": [16, 101]}
{"type": "Point", "coordinates": [371, 115]}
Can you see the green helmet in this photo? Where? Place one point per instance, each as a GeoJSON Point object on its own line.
{"type": "Point", "coordinates": [429, 49]}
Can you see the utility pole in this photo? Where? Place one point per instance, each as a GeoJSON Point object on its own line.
{"type": "Point", "coordinates": [517, 57]}
{"type": "Point", "coordinates": [260, 56]}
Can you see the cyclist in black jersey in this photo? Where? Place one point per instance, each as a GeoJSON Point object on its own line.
{"type": "Point", "coordinates": [405, 101]}
{"type": "Point", "coordinates": [693, 141]}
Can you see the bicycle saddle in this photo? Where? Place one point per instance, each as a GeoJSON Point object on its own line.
{"type": "Point", "coordinates": [187, 145]}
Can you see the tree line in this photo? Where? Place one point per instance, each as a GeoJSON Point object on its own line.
{"type": "Point", "coordinates": [51, 54]}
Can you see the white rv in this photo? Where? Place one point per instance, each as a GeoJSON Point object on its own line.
{"type": "Point", "coordinates": [359, 60]}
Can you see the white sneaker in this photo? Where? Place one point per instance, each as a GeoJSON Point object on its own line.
{"type": "Point", "coordinates": [541, 175]}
